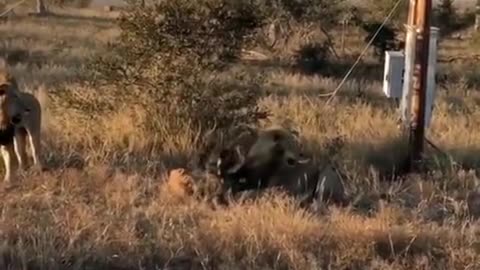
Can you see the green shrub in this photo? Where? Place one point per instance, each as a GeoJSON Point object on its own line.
{"type": "Point", "coordinates": [378, 10]}
{"type": "Point", "coordinates": [311, 11]}
{"type": "Point", "coordinates": [445, 16]}
{"type": "Point", "coordinates": [167, 58]}
{"type": "Point", "coordinates": [296, 27]}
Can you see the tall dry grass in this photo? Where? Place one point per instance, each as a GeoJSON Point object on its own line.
{"type": "Point", "coordinates": [102, 206]}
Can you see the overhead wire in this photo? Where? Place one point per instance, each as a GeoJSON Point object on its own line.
{"type": "Point", "coordinates": [370, 42]}
{"type": "Point", "coordinates": [12, 7]}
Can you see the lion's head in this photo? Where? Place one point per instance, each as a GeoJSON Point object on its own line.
{"type": "Point", "coordinates": [12, 109]}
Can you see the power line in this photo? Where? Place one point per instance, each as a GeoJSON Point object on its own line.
{"type": "Point", "coordinates": [11, 8]}
{"type": "Point", "coordinates": [370, 42]}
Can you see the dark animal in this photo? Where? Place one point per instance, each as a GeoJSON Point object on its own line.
{"type": "Point", "coordinates": [273, 149]}
{"type": "Point", "coordinates": [274, 160]}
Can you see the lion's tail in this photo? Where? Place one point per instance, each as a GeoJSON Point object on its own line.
{"type": "Point", "coordinates": [42, 95]}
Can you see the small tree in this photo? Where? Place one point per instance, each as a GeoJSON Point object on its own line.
{"type": "Point", "coordinates": [446, 16]}
{"type": "Point", "coordinates": [306, 25]}
{"type": "Point", "coordinates": [378, 10]}
{"type": "Point", "coordinates": [168, 54]}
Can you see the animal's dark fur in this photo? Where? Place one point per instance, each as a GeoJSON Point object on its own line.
{"type": "Point", "coordinates": [7, 134]}
{"type": "Point", "coordinates": [253, 171]}
{"type": "Point", "coordinates": [268, 167]}
{"type": "Point", "coordinates": [254, 174]}
{"type": "Point", "coordinates": [300, 179]}
{"type": "Point", "coordinates": [266, 163]}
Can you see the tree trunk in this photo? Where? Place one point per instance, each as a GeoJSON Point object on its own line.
{"type": "Point", "coordinates": [477, 17]}
{"type": "Point", "coordinates": [41, 9]}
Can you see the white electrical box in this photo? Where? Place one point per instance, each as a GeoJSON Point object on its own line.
{"type": "Point", "coordinates": [393, 74]}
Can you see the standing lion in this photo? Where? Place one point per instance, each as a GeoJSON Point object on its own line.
{"type": "Point", "coordinates": [20, 118]}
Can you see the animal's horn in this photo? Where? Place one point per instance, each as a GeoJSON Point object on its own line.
{"type": "Point", "coordinates": [241, 161]}
{"type": "Point", "coordinates": [303, 161]}
{"type": "Point", "coordinates": [210, 135]}
{"type": "Point", "coordinates": [212, 130]}
{"type": "Point", "coordinates": [206, 142]}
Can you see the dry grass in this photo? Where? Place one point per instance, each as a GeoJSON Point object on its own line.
{"type": "Point", "coordinates": [103, 205]}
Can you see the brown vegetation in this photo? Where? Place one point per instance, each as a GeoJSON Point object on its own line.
{"type": "Point", "coordinates": [106, 203]}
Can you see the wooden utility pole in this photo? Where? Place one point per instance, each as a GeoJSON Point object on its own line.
{"type": "Point", "coordinates": [409, 50]}
{"type": "Point", "coordinates": [419, 15]}
{"type": "Point", "coordinates": [477, 16]}
{"type": "Point", "coordinates": [412, 13]}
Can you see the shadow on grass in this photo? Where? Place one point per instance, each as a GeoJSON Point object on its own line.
{"type": "Point", "coordinates": [389, 158]}
{"type": "Point", "coordinates": [92, 223]}
{"type": "Point", "coordinates": [59, 160]}
{"type": "Point", "coordinates": [370, 71]}
{"type": "Point", "coordinates": [465, 158]}
{"type": "Point", "coordinates": [141, 162]}
{"type": "Point", "coordinates": [68, 20]}
{"type": "Point", "coordinates": [76, 18]}
{"type": "Point", "coordinates": [96, 259]}
{"type": "Point", "coordinates": [466, 73]}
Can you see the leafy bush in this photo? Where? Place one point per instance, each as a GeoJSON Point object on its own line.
{"type": "Point", "coordinates": [384, 36]}
{"type": "Point", "coordinates": [296, 27]}
{"type": "Point", "coordinates": [450, 20]}
{"type": "Point", "coordinates": [168, 56]}
{"type": "Point", "coordinates": [446, 16]}
{"type": "Point", "coordinates": [378, 10]}
{"type": "Point", "coordinates": [311, 57]}
{"type": "Point", "coordinates": [318, 11]}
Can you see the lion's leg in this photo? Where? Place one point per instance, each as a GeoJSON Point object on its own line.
{"type": "Point", "coordinates": [8, 154]}
{"type": "Point", "coordinates": [20, 148]}
{"type": "Point", "coordinates": [35, 145]}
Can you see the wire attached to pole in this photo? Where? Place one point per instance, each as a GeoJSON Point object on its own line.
{"type": "Point", "coordinates": [347, 75]}
{"type": "Point", "coordinates": [11, 8]}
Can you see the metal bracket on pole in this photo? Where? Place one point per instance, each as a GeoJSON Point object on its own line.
{"type": "Point", "coordinates": [410, 45]}
{"type": "Point", "coordinates": [432, 67]}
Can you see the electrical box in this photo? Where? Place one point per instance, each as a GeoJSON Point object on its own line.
{"type": "Point", "coordinates": [393, 74]}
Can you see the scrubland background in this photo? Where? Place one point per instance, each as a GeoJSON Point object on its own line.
{"type": "Point", "coordinates": [101, 205]}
